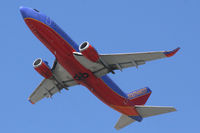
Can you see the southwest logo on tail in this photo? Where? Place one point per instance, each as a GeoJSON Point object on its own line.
{"type": "Point", "coordinates": [139, 97]}
{"type": "Point", "coordinates": [83, 65]}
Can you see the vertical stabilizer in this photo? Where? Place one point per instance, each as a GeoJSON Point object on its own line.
{"type": "Point", "coordinates": [139, 97]}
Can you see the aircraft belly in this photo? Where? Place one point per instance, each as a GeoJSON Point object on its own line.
{"type": "Point", "coordinates": [63, 51]}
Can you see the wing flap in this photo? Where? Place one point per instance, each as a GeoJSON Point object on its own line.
{"type": "Point", "coordinates": [137, 57]}
{"type": "Point", "coordinates": [47, 88]}
{"type": "Point", "coordinates": [131, 57]}
{"type": "Point", "coordinates": [121, 61]}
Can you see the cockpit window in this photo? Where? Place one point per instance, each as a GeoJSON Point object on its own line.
{"type": "Point", "coordinates": [36, 10]}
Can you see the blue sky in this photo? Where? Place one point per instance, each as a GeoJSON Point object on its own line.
{"type": "Point", "coordinates": [111, 26]}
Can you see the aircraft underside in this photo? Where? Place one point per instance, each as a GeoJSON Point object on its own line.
{"type": "Point", "coordinates": [83, 65]}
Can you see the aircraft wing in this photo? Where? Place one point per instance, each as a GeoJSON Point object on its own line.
{"type": "Point", "coordinates": [110, 62]}
{"type": "Point", "coordinates": [121, 61]}
{"type": "Point", "coordinates": [48, 87]}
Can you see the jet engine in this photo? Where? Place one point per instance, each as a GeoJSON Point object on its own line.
{"type": "Point", "coordinates": [89, 52]}
{"type": "Point", "coordinates": [42, 68]}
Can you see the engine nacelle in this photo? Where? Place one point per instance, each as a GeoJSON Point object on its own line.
{"type": "Point", "coordinates": [89, 52]}
{"type": "Point", "coordinates": [42, 68]}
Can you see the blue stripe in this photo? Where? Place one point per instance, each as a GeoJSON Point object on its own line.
{"type": "Point", "coordinates": [113, 86]}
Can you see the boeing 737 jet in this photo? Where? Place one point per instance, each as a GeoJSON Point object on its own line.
{"type": "Point", "coordinates": [83, 65]}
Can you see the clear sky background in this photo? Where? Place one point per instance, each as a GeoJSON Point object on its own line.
{"type": "Point", "coordinates": [111, 26]}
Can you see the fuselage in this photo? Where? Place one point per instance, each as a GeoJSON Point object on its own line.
{"type": "Point", "coordinates": [62, 46]}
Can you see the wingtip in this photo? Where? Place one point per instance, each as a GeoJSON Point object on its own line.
{"type": "Point", "coordinates": [174, 109]}
{"type": "Point", "coordinates": [117, 128]}
{"type": "Point", "coordinates": [171, 53]}
{"type": "Point", "coordinates": [31, 101]}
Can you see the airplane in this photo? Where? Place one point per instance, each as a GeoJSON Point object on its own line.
{"type": "Point", "coordinates": [83, 65]}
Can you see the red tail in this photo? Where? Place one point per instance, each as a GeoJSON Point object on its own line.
{"type": "Point", "coordinates": [139, 97]}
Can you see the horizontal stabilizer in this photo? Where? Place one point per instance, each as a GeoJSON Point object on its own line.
{"type": "Point", "coordinates": [146, 111]}
{"type": "Point", "coordinates": [124, 121]}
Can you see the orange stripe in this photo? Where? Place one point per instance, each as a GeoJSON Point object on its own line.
{"type": "Point", "coordinates": [127, 110]}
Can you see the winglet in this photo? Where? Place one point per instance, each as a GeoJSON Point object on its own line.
{"type": "Point", "coordinates": [31, 101]}
{"type": "Point", "coordinates": [171, 53]}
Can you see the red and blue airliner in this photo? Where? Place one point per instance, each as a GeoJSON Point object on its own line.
{"type": "Point", "coordinates": [83, 65]}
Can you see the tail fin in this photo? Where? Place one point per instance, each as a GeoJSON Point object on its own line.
{"type": "Point", "coordinates": [139, 97]}
{"type": "Point", "coordinates": [144, 111]}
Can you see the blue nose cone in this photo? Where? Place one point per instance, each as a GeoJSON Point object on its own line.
{"type": "Point", "coordinates": [28, 12]}
{"type": "Point", "coordinates": [24, 11]}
